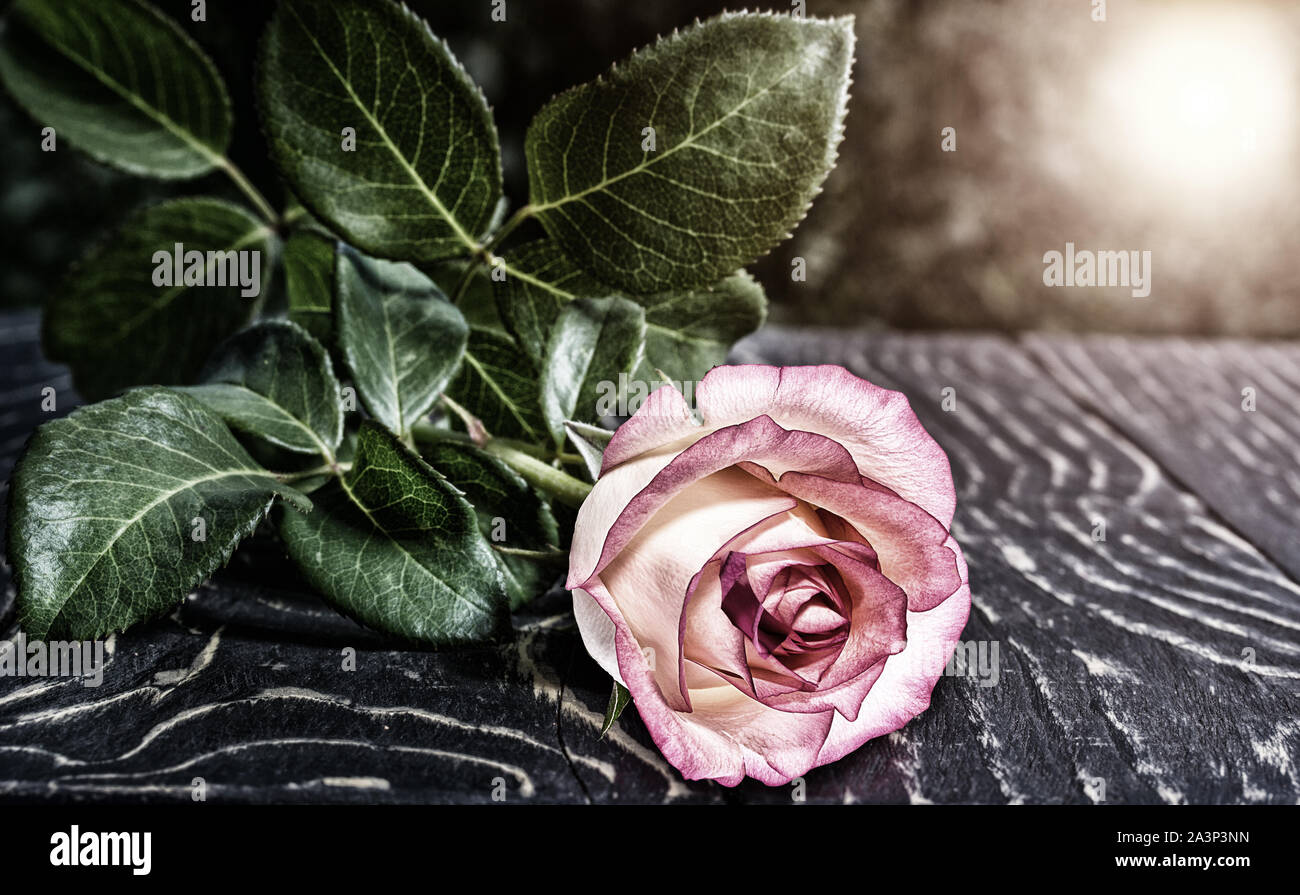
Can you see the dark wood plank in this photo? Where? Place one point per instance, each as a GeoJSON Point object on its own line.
{"type": "Point", "coordinates": [1185, 403]}
{"type": "Point", "coordinates": [1121, 662]}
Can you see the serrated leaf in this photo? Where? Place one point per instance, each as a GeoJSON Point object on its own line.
{"type": "Point", "coordinates": [499, 387]}
{"type": "Point", "coordinates": [747, 112]}
{"type": "Point", "coordinates": [619, 698]}
{"type": "Point", "coordinates": [309, 281]}
{"type": "Point", "coordinates": [400, 335]}
{"type": "Point", "coordinates": [688, 332]}
{"type": "Point", "coordinates": [276, 382]}
{"type": "Point", "coordinates": [115, 328]}
{"type": "Point", "coordinates": [590, 442]}
{"type": "Point", "coordinates": [540, 281]}
{"type": "Point", "coordinates": [119, 81]}
{"type": "Point", "coordinates": [103, 526]}
{"type": "Point", "coordinates": [396, 546]}
{"type": "Point", "coordinates": [425, 176]}
{"type": "Point", "coordinates": [510, 513]}
{"type": "Point", "coordinates": [593, 343]}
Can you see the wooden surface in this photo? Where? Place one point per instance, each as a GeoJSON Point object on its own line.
{"type": "Point", "coordinates": [1161, 664]}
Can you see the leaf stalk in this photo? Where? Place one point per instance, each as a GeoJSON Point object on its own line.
{"type": "Point", "coordinates": [254, 195]}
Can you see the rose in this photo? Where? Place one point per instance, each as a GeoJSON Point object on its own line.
{"type": "Point", "coordinates": [776, 585]}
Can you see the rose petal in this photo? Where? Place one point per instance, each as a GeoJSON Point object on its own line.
{"type": "Point", "coordinates": [603, 507]}
{"type": "Point", "coordinates": [741, 605]}
{"type": "Point", "coordinates": [719, 645]}
{"type": "Point", "coordinates": [708, 637]}
{"type": "Point", "coordinates": [876, 631]}
{"type": "Point", "coordinates": [665, 553]}
{"type": "Point", "coordinates": [758, 441]}
{"type": "Point", "coordinates": [728, 735]}
{"type": "Point", "coordinates": [765, 567]}
{"type": "Point", "coordinates": [815, 618]}
{"type": "Point", "coordinates": [597, 632]}
{"type": "Point", "coordinates": [877, 425]}
{"type": "Point", "coordinates": [911, 545]}
{"type": "Point", "coordinates": [903, 689]}
{"type": "Point", "coordinates": [662, 419]}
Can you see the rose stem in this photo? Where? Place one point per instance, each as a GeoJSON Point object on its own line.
{"type": "Point", "coordinates": [560, 485]}
{"type": "Point", "coordinates": [523, 458]}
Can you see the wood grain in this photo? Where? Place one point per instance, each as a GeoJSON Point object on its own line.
{"type": "Point", "coordinates": [1185, 402]}
{"type": "Point", "coordinates": [1159, 665]}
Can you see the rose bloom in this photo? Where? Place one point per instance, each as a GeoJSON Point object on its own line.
{"type": "Point", "coordinates": [777, 584]}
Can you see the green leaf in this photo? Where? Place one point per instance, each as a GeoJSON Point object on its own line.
{"type": "Point", "coordinates": [510, 513]}
{"type": "Point", "coordinates": [396, 546]}
{"type": "Point", "coordinates": [499, 387]}
{"type": "Point", "coordinates": [619, 699]}
{"type": "Point", "coordinates": [689, 333]}
{"type": "Point", "coordinates": [593, 343]}
{"type": "Point", "coordinates": [540, 281]}
{"type": "Point", "coordinates": [401, 336]}
{"type": "Point", "coordinates": [119, 81]}
{"type": "Point", "coordinates": [276, 382]}
{"type": "Point", "coordinates": [425, 176]}
{"type": "Point", "coordinates": [590, 442]}
{"type": "Point", "coordinates": [105, 507]}
{"type": "Point", "coordinates": [747, 113]}
{"type": "Point", "coordinates": [476, 300]}
{"type": "Point", "coordinates": [343, 457]}
{"type": "Point", "coordinates": [309, 280]}
{"type": "Point", "coordinates": [115, 328]}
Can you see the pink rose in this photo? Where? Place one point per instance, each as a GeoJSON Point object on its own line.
{"type": "Point", "coordinates": [776, 585]}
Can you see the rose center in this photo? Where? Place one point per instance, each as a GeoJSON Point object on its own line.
{"type": "Point", "coordinates": [805, 610]}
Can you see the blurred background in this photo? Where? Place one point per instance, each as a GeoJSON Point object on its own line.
{"type": "Point", "coordinates": [1170, 127]}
